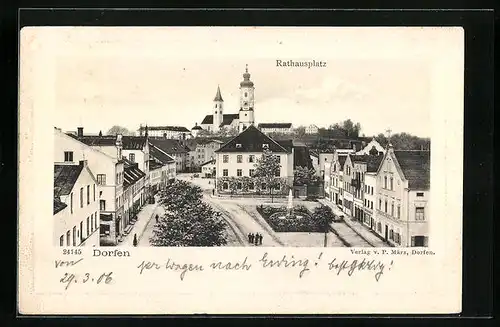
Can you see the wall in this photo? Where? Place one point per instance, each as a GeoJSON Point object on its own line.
{"type": "Point", "coordinates": [65, 220]}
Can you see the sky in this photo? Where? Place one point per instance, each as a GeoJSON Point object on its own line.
{"type": "Point", "coordinates": [378, 77]}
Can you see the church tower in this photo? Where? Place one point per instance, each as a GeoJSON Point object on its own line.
{"type": "Point", "coordinates": [218, 110]}
{"type": "Point", "coordinates": [246, 115]}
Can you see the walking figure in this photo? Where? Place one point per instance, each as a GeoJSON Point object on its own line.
{"type": "Point", "coordinates": [260, 239]}
{"type": "Point", "coordinates": [250, 238]}
{"type": "Point", "coordinates": [135, 239]}
{"type": "Point", "coordinates": [257, 236]}
{"type": "Point", "coordinates": [156, 219]}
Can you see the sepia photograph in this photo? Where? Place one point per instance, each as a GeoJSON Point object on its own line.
{"type": "Point", "coordinates": [205, 150]}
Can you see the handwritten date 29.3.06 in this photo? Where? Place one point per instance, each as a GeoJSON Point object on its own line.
{"type": "Point", "coordinates": [69, 279]}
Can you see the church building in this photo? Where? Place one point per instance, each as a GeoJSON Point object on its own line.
{"type": "Point", "coordinates": [218, 120]}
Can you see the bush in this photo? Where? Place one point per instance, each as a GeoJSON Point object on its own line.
{"type": "Point", "coordinates": [313, 198]}
{"type": "Point", "coordinates": [305, 224]}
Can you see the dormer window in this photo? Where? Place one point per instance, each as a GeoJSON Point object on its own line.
{"type": "Point", "coordinates": [265, 146]}
{"type": "Point", "coordinates": [238, 145]}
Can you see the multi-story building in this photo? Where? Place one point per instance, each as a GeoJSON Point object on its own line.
{"type": "Point", "coordinates": [403, 187]}
{"type": "Point", "coordinates": [336, 175]}
{"type": "Point", "coordinates": [108, 171]}
{"type": "Point", "coordinates": [168, 170]}
{"type": "Point", "coordinates": [134, 192]}
{"type": "Point", "coordinates": [238, 159]}
{"type": "Point", "coordinates": [168, 132]}
{"type": "Point", "coordinates": [312, 129]}
{"type": "Point", "coordinates": [175, 149]}
{"type": "Point", "coordinates": [205, 150]}
{"type": "Point", "coordinates": [76, 205]}
{"type": "Point", "coordinates": [208, 169]}
{"type": "Point", "coordinates": [267, 128]}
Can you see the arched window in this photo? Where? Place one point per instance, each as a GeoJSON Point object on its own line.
{"type": "Point", "coordinates": [216, 105]}
{"type": "Point", "coordinates": [216, 112]}
{"type": "Point", "coordinates": [385, 182]}
{"type": "Point", "coordinates": [246, 94]}
{"type": "Point", "coordinates": [392, 183]}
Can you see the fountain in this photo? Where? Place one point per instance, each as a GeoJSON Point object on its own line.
{"type": "Point", "coordinates": [289, 212]}
{"type": "Point", "coordinates": [290, 203]}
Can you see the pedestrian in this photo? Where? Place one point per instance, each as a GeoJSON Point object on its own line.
{"type": "Point", "coordinates": [251, 238]}
{"type": "Point", "coordinates": [156, 219]}
{"type": "Point", "coordinates": [260, 239]}
{"type": "Point", "coordinates": [257, 235]}
{"type": "Point", "coordinates": [135, 239]}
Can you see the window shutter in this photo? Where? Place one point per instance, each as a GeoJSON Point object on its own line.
{"type": "Point", "coordinates": [413, 241]}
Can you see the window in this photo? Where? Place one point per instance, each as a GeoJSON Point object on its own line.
{"type": "Point", "coordinates": [246, 94]}
{"type": "Point", "coordinates": [279, 159]}
{"type": "Point", "coordinates": [67, 238]}
{"type": "Point", "coordinates": [216, 107]}
{"type": "Point", "coordinates": [251, 172]}
{"type": "Point", "coordinates": [239, 186]}
{"type": "Point", "coordinates": [74, 235]}
{"type": "Point", "coordinates": [88, 227]}
{"type": "Point", "coordinates": [420, 193]}
{"type": "Point", "coordinates": [392, 183]}
{"type": "Point", "coordinates": [101, 179]}
{"type": "Point", "coordinates": [277, 173]}
{"type": "Point", "coordinates": [225, 158]}
{"type": "Point", "coordinates": [92, 222]}
{"type": "Point", "coordinates": [224, 186]}
{"type": "Point", "coordinates": [225, 172]}
{"type": "Point", "coordinates": [71, 202]}
{"type": "Point", "coordinates": [68, 156]}
{"type": "Point", "coordinates": [81, 197]}
{"type": "Point", "coordinates": [88, 194]}
{"type": "Point", "coordinates": [419, 213]}
{"type": "Point", "coordinates": [399, 211]}
{"type": "Point", "coordinates": [265, 146]}
{"type": "Point", "coordinates": [102, 205]}
{"type": "Point", "coordinates": [61, 240]}
{"type": "Point", "coordinates": [239, 158]}
{"type": "Point", "coordinates": [385, 206]}
{"type": "Point", "coordinates": [371, 205]}
{"type": "Point", "coordinates": [95, 215]}
{"type": "Point", "coordinates": [94, 191]}
{"type": "Point", "coordinates": [131, 157]}
{"type": "Point", "coordinates": [251, 158]}
{"type": "Point", "coordinates": [238, 146]}
{"type": "Point", "coordinates": [392, 209]}
{"type": "Point", "coordinates": [239, 172]}
{"type": "Point", "coordinates": [81, 231]}
{"type": "Point", "coordinates": [385, 182]}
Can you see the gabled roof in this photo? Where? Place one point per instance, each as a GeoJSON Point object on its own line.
{"type": "Point", "coordinates": [65, 177]}
{"type": "Point", "coordinates": [132, 174]}
{"type": "Point", "coordinates": [209, 119]}
{"type": "Point", "coordinates": [208, 162]}
{"type": "Point", "coordinates": [92, 140]}
{"type": "Point", "coordinates": [416, 167]}
{"type": "Point", "coordinates": [58, 205]}
{"type": "Point", "coordinates": [275, 125]}
{"type": "Point", "coordinates": [168, 145]}
{"type": "Point", "coordinates": [196, 127]}
{"type": "Point", "coordinates": [251, 140]}
{"type": "Point", "coordinates": [160, 155]}
{"type": "Point", "coordinates": [372, 161]}
{"type": "Point", "coordinates": [133, 142]}
{"type": "Point", "coordinates": [153, 165]}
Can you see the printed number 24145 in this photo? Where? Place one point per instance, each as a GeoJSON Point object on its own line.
{"type": "Point", "coordinates": [72, 251]}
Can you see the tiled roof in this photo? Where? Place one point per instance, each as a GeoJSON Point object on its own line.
{"type": "Point", "coordinates": [153, 165]}
{"type": "Point", "coordinates": [58, 205]}
{"type": "Point", "coordinates": [228, 119]}
{"type": "Point", "coordinates": [159, 155]}
{"type": "Point", "coordinates": [275, 125]}
{"type": "Point", "coordinates": [169, 145]}
{"type": "Point", "coordinates": [372, 161]}
{"type": "Point", "coordinates": [92, 140]}
{"type": "Point", "coordinates": [416, 168]}
{"type": "Point", "coordinates": [251, 140]}
{"type": "Point", "coordinates": [133, 142]}
{"type": "Point", "coordinates": [65, 177]}
{"type": "Point", "coordinates": [165, 128]}
{"type": "Point", "coordinates": [131, 174]}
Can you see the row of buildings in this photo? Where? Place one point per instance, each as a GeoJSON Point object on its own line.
{"type": "Point", "coordinates": [101, 183]}
{"type": "Point", "coordinates": [387, 192]}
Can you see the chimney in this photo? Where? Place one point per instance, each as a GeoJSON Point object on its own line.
{"type": "Point", "coordinates": [83, 163]}
{"type": "Point", "coordinates": [80, 132]}
{"type": "Point", "coordinates": [119, 146]}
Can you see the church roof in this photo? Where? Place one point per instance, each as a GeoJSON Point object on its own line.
{"type": "Point", "coordinates": [228, 119]}
{"type": "Point", "coordinates": [246, 79]}
{"type": "Point", "coordinates": [252, 140]}
{"type": "Point", "coordinates": [218, 96]}
{"type": "Point", "coordinates": [209, 119]}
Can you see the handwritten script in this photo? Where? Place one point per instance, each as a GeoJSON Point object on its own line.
{"type": "Point", "coordinates": [303, 266]}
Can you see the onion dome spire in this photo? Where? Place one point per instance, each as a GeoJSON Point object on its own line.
{"type": "Point", "coordinates": [218, 96]}
{"type": "Point", "coordinates": [246, 78]}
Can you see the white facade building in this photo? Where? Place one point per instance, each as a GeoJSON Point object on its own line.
{"type": "Point", "coordinates": [312, 129]}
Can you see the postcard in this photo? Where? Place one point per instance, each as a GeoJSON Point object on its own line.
{"type": "Point", "coordinates": [240, 170]}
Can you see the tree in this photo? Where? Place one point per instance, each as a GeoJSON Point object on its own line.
{"type": "Point", "coordinates": [233, 183]}
{"type": "Point", "coordinates": [267, 169]}
{"type": "Point", "coordinates": [119, 130]}
{"type": "Point", "coordinates": [188, 221]}
{"type": "Point", "coordinates": [300, 132]}
{"type": "Point", "coordinates": [305, 176]}
{"type": "Point", "coordinates": [323, 216]}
